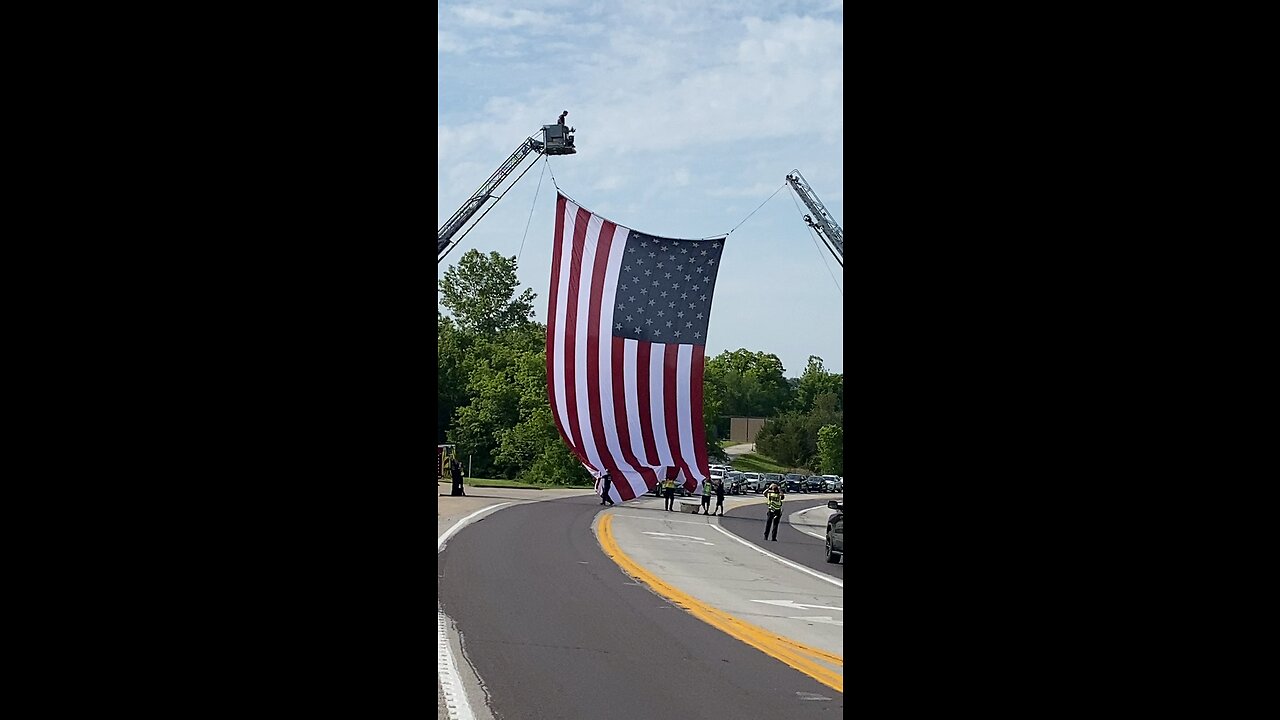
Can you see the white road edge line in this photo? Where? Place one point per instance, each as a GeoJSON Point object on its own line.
{"type": "Point", "coordinates": [463, 523]}
{"type": "Point", "coordinates": [784, 561]}
{"type": "Point", "coordinates": [455, 695]}
{"type": "Point", "coordinates": [806, 532]}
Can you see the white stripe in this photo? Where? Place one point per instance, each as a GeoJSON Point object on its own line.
{"type": "Point", "coordinates": [630, 349]}
{"type": "Point", "coordinates": [562, 309]}
{"type": "Point", "coordinates": [608, 300]}
{"type": "Point", "coordinates": [657, 407]}
{"type": "Point", "coordinates": [455, 694]}
{"type": "Point", "coordinates": [463, 523]}
{"type": "Point", "coordinates": [784, 561]}
{"type": "Point", "coordinates": [586, 274]}
{"type": "Point", "coordinates": [684, 408]}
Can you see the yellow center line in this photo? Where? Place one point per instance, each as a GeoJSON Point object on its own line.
{"type": "Point", "coordinates": [797, 655]}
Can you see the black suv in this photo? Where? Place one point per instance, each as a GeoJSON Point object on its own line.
{"type": "Point", "coordinates": [794, 482]}
{"type": "Point", "coordinates": [815, 483]}
{"type": "Point", "coordinates": [835, 531]}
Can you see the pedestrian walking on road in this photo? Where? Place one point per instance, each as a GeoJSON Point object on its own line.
{"type": "Point", "coordinates": [720, 496]}
{"type": "Point", "coordinates": [706, 497]}
{"type": "Point", "coordinates": [455, 469]}
{"type": "Point", "coordinates": [774, 518]}
{"type": "Point", "coordinates": [605, 481]}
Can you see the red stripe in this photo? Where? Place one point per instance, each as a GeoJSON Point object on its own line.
{"type": "Point", "coordinates": [620, 414]}
{"type": "Point", "coordinates": [670, 368]}
{"type": "Point", "coordinates": [603, 242]}
{"type": "Point", "coordinates": [642, 398]}
{"type": "Point", "coordinates": [570, 335]}
{"type": "Point", "coordinates": [695, 399]}
{"type": "Point", "coordinates": [557, 248]}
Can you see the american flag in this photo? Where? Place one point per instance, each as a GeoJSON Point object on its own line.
{"type": "Point", "coordinates": [626, 331]}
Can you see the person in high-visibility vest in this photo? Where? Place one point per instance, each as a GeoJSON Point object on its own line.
{"type": "Point", "coordinates": [706, 497]}
{"type": "Point", "coordinates": [774, 517]}
{"type": "Point", "coordinates": [669, 492]}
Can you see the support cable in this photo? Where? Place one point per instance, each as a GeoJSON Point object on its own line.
{"type": "Point", "coordinates": [753, 212]}
{"type": "Point", "coordinates": [531, 209]}
{"type": "Point", "coordinates": [821, 256]}
{"type": "Point", "coordinates": [492, 205]}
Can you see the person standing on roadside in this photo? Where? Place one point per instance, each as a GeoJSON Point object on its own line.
{"type": "Point", "coordinates": [669, 491]}
{"type": "Point", "coordinates": [455, 469]}
{"type": "Point", "coordinates": [720, 496]}
{"type": "Point", "coordinates": [605, 482]}
{"type": "Point", "coordinates": [706, 497]}
{"type": "Point", "coordinates": [774, 517]}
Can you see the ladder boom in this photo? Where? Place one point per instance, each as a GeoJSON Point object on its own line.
{"type": "Point", "coordinates": [556, 140]}
{"type": "Point", "coordinates": [481, 196]}
{"type": "Point", "coordinates": [821, 221]}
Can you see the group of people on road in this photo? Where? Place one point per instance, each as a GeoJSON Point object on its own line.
{"type": "Point", "coordinates": [773, 496]}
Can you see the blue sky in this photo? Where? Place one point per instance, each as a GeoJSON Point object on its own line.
{"type": "Point", "coordinates": [689, 115]}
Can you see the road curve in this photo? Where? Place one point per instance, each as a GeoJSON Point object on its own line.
{"type": "Point", "coordinates": [555, 629]}
{"type": "Point", "coordinates": [748, 523]}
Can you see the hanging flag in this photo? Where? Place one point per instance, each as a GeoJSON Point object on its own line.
{"type": "Point", "coordinates": [626, 330]}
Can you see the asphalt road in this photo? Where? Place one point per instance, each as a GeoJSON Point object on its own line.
{"type": "Point", "coordinates": [748, 524]}
{"type": "Point", "coordinates": [556, 630]}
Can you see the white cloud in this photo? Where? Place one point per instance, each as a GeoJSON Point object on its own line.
{"type": "Point", "coordinates": [484, 17]}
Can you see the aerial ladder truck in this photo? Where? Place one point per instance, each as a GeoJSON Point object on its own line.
{"type": "Point", "coordinates": [820, 220]}
{"type": "Point", "coordinates": [556, 140]}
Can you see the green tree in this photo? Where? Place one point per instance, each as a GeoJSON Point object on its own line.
{"type": "Point", "coordinates": [831, 449]}
{"type": "Point", "coordinates": [748, 384]}
{"type": "Point", "coordinates": [492, 404]}
{"type": "Point", "coordinates": [792, 437]}
{"type": "Point", "coordinates": [817, 381]}
{"type": "Point", "coordinates": [532, 449]}
{"type": "Point", "coordinates": [480, 293]}
{"type": "Point", "coordinates": [452, 346]}
{"type": "Point", "coordinates": [783, 439]}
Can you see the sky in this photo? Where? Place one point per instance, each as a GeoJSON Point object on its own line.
{"type": "Point", "coordinates": [688, 117]}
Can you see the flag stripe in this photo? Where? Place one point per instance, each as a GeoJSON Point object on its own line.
{"type": "Point", "coordinates": [555, 330]}
{"type": "Point", "coordinates": [634, 391]}
{"type": "Point", "coordinates": [620, 414]}
{"type": "Point", "coordinates": [695, 404]}
{"type": "Point", "coordinates": [671, 414]}
{"type": "Point", "coordinates": [658, 399]}
{"type": "Point", "coordinates": [582, 359]}
{"type": "Point", "coordinates": [643, 392]}
{"type": "Point", "coordinates": [571, 329]}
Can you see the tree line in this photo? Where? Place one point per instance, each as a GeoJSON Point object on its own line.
{"type": "Point", "coordinates": [492, 388]}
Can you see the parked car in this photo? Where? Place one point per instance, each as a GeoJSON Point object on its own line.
{"type": "Point", "coordinates": [833, 483]}
{"type": "Point", "coordinates": [815, 483]}
{"type": "Point", "coordinates": [793, 482]}
{"type": "Point", "coordinates": [752, 479]}
{"type": "Point", "coordinates": [835, 531]}
{"type": "Point", "coordinates": [768, 479]}
{"type": "Point", "coordinates": [734, 482]}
